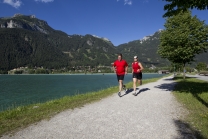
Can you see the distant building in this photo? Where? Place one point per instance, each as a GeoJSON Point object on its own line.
{"type": "Point", "coordinates": [163, 71]}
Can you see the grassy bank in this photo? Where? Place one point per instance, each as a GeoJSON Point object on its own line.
{"type": "Point", "coordinates": [23, 116]}
{"type": "Point", "coordinates": [193, 94]}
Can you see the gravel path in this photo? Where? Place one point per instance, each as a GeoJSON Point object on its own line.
{"type": "Point", "coordinates": [200, 77]}
{"type": "Point", "coordinates": [152, 114]}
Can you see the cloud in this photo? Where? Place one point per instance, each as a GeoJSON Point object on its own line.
{"type": "Point", "coordinates": [126, 2]}
{"type": "Point", "coordinates": [45, 0]}
{"type": "Point", "coordinates": [129, 2]}
{"type": "Point", "coordinates": [14, 3]}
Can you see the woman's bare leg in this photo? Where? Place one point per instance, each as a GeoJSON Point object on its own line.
{"type": "Point", "coordinates": [134, 83]}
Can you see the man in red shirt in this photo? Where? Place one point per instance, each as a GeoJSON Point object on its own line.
{"type": "Point", "coordinates": [120, 67]}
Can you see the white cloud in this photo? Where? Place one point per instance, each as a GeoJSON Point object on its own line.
{"type": "Point", "coordinates": [126, 2]}
{"type": "Point", "coordinates": [14, 3]}
{"type": "Point", "coordinates": [129, 2]}
{"type": "Point", "coordinates": [45, 0]}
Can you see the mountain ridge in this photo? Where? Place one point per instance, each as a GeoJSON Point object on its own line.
{"type": "Point", "coordinates": [29, 41]}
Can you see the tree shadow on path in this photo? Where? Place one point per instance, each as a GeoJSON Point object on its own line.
{"type": "Point", "coordinates": [188, 86]}
{"type": "Point", "coordinates": [166, 86]}
{"type": "Point", "coordinates": [195, 88]}
{"type": "Point", "coordinates": [185, 131]}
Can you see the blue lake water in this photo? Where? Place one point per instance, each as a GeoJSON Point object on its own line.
{"type": "Point", "coordinates": [18, 90]}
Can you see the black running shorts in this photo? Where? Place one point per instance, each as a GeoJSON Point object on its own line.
{"type": "Point", "coordinates": [137, 75]}
{"type": "Point", "coordinates": [120, 77]}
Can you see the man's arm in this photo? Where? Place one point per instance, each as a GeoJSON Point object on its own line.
{"type": "Point", "coordinates": [126, 69]}
{"type": "Point", "coordinates": [114, 69]}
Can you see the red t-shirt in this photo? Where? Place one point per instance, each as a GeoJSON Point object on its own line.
{"type": "Point", "coordinates": [120, 66]}
{"type": "Point", "coordinates": [135, 67]}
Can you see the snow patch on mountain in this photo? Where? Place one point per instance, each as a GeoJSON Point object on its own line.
{"type": "Point", "coordinates": [150, 36]}
{"type": "Point", "coordinates": [105, 39]}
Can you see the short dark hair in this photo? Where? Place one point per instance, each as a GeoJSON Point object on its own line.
{"type": "Point", "coordinates": [120, 54]}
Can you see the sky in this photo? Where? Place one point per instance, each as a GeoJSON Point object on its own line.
{"type": "Point", "coordinates": [120, 21]}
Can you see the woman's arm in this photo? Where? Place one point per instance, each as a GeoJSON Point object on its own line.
{"type": "Point", "coordinates": [141, 67]}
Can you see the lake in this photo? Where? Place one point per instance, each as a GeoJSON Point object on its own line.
{"type": "Point", "coordinates": [16, 90]}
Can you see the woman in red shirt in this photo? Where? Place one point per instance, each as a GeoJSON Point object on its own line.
{"type": "Point", "coordinates": [137, 73]}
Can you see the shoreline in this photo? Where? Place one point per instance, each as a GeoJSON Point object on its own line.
{"type": "Point", "coordinates": [23, 116]}
{"type": "Point", "coordinates": [79, 74]}
{"type": "Point", "coordinates": [149, 115]}
{"type": "Point", "coordinates": [53, 87]}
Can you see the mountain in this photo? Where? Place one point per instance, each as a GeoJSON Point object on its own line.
{"type": "Point", "coordinates": [89, 50]}
{"type": "Point", "coordinates": [145, 49]}
{"type": "Point", "coordinates": [24, 41]}
{"type": "Point", "coordinates": [20, 47]}
{"type": "Point", "coordinates": [28, 41]}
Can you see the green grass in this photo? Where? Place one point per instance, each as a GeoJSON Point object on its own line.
{"type": "Point", "coordinates": [23, 116]}
{"type": "Point", "coordinates": [191, 73]}
{"type": "Point", "coordinates": [193, 94]}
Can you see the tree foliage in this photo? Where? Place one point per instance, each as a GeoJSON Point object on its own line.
{"type": "Point", "coordinates": [201, 66]}
{"type": "Point", "coordinates": [176, 6]}
{"type": "Point", "coordinates": [183, 38]}
{"type": "Point", "coordinates": [19, 47]}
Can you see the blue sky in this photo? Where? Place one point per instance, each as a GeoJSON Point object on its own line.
{"type": "Point", "coordinates": [120, 21]}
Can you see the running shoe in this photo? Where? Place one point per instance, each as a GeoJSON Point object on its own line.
{"type": "Point", "coordinates": [134, 93]}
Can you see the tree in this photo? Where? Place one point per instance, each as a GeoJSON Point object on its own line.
{"type": "Point", "coordinates": [184, 37]}
{"type": "Point", "coordinates": [176, 6]}
{"type": "Point", "coordinates": [201, 66]}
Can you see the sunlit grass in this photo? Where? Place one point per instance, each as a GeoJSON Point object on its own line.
{"type": "Point", "coordinates": [193, 94]}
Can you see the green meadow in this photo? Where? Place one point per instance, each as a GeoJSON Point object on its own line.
{"type": "Point", "coordinates": [193, 94]}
